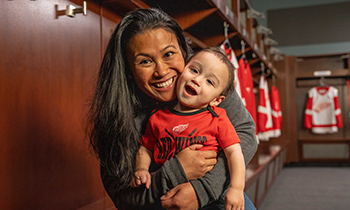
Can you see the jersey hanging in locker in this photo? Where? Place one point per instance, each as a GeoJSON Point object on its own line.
{"type": "Point", "coordinates": [276, 111]}
{"type": "Point", "coordinates": [232, 57]}
{"type": "Point", "coordinates": [246, 81]}
{"type": "Point", "coordinates": [323, 114]}
{"type": "Point", "coordinates": [265, 125]}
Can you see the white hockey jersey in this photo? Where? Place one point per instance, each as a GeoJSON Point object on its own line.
{"type": "Point", "coordinates": [265, 126]}
{"type": "Point", "coordinates": [232, 57]}
{"type": "Point", "coordinates": [323, 114]}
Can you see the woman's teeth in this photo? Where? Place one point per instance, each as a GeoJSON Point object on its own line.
{"type": "Point", "coordinates": [164, 84]}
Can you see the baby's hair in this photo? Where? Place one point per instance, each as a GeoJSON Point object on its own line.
{"type": "Point", "coordinates": [223, 58]}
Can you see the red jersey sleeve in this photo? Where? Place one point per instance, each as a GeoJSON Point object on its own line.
{"type": "Point", "coordinates": [148, 139]}
{"type": "Point", "coordinates": [226, 135]}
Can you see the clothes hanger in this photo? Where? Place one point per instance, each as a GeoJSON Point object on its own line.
{"type": "Point", "coordinates": [273, 79]}
{"type": "Point", "coordinates": [262, 65]}
{"type": "Point", "coordinates": [322, 82]}
{"type": "Point", "coordinates": [227, 41]}
{"type": "Point", "coordinates": [244, 57]}
{"type": "Point", "coordinates": [227, 45]}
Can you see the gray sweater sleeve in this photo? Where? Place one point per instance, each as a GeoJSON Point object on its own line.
{"type": "Point", "coordinates": [215, 182]}
{"type": "Point", "coordinates": [167, 177]}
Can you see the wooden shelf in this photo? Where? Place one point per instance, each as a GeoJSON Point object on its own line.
{"type": "Point", "coordinates": [334, 73]}
{"type": "Point", "coordinates": [263, 170]}
{"type": "Point", "coordinates": [121, 7]}
{"type": "Point", "coordinates": [318, 140]}
{"type": "Point", "coordinates": [203, 22]}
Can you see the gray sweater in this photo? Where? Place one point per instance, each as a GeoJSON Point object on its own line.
{"type": "Point", "coordinates": [171, 174]}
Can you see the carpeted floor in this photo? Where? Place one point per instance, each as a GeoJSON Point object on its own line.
{"type": "Point", "coordinates": [310, 188]}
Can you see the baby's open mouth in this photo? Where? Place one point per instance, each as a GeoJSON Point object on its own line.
{"type": "Point", "coordinates": [190, 90]}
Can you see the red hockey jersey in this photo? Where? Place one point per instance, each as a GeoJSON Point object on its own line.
{"type": "Point", "coordinates": [170, 131]}
{"type": "Point", "coordinates": [276, 111]}
{"type": "Point", "coordinates": [323, 114]}
{"type": "Point", "coordinates": [247, 86]}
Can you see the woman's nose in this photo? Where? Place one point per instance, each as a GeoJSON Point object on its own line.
{"type": "Point", "coordinates": [161, 69]}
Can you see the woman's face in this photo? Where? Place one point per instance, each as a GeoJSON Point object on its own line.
{"type": "Point", "coordinates": [155, 60]}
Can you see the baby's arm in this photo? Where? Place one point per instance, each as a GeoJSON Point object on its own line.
{"type": "Point", "coordinates": [141, 174]}
{"type": "Point", "coordinates": [234, 196]}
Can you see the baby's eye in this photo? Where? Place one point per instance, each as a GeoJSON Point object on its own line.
{"type": "Point", "coordinates": [210, 82]}
{"type": "Point", "coordinates": [195, 71]}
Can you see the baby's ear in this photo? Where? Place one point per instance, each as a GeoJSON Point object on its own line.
{"type": "Point", "coordinates": [216, 101]}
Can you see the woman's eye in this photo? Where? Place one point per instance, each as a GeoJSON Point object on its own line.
{"type": "Point", "coordinates": [145, 62]}
{"type": "Point", "coordinates": [168, 54]}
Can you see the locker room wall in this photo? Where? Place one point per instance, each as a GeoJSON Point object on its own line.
{"type": "Point", "coordinates": [47, 71]}
{"type": "Point", "coordinates": [310, 24]}
{"type": "Point", "coordinates": [307, 27]}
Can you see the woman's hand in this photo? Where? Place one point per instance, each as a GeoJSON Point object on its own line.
{"type": "Point", "coordinates": [181, 197]}
{"type": "Point", "coordinates": [196, 163]}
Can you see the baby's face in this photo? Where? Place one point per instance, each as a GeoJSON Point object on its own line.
{"type": "Point", "coordinates": [202, 81]}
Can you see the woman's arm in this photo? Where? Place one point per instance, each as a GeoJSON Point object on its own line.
{"type": "Point", "coordinates": [171, 174]}
{"type": "Point", "coordinates": [163, 180]}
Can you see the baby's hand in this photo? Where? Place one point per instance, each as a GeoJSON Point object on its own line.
{"type": "Point", "coordinates": [234, 199]}
{"type": "Point", "coordinates": [140, 177]}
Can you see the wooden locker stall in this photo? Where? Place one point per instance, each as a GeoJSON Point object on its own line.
{"type": "Point", "coordinates": [323, 147]}
{"type": "Point", "coordinates": [47, 69]}
{"type": "Point", "coordinates": [304, 146]}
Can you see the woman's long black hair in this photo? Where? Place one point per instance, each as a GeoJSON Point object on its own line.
{"type": "Point", "coordinates": [113, 134]}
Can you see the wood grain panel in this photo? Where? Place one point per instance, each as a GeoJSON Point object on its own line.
{"type": "Point", "coordinates": [285, 82]}
{"type": "Point", "coordinates": [47, 68]}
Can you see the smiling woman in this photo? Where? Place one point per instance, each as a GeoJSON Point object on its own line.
{"type": "Point", "coordinates": [141, 65]}
{"type": "Point", "coordinates": [155, 67]}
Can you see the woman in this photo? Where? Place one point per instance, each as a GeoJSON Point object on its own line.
{"type": "Point", "coordinates": [144, 57]}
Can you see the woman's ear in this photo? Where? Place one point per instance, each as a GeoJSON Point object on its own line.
{"type": "Point", "coordinates": [216, 101]}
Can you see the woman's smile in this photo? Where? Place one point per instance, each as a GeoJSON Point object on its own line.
{"type": "Point", "coordinates": [155, 67]}
{"type": "Point", "coordinates": [168, 83]}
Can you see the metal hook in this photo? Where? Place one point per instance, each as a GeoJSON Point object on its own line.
{"type": "Point", "coordinates": [262, 65]}
{"type": "Point", "coordinates": [242, 46]}
{"type": "Point", "coordinates": [244, 57]}
{"type": "Point", "coordinates": [71, 10]}
{"type": "Point", "coordinates": [226, 26]}
{"type": "Point", "coordinates": [273, 79]}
